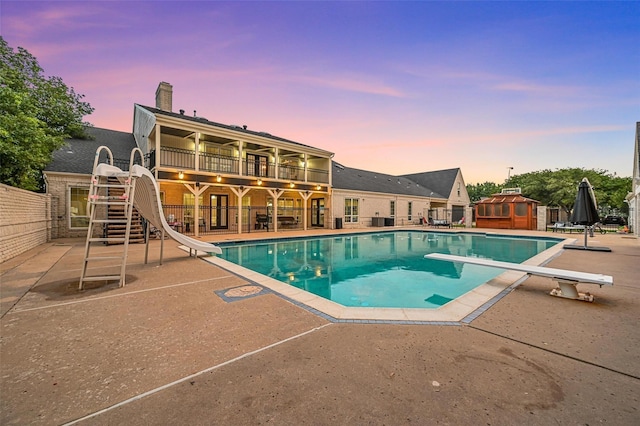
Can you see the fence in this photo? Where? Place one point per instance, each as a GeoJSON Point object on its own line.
{"type": "Point", "coordinates": [224, 220]}
{"type": "Point", "coordinates": [25, 221]}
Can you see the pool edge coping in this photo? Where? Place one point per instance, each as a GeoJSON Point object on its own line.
{"type": "Point", "coordinates": [462, 310]}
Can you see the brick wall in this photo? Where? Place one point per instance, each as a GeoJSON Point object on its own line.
{"type": "Point", "coordinates": [25, 221]}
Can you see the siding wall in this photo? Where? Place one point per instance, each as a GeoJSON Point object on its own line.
{"type": "Point", "coordinates": [25, 221]}
{"type": "Point", "coordinates": [371, 203]}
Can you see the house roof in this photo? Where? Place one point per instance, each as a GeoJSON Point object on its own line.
{"type": "Point", "coordinates": [439, 181]}
{"type": "Point", "coordinates": [78, 154]}
{"type": "Point", "coordinates": [235, 128]}
{"type": "Point", "coordinates": [363, 180]}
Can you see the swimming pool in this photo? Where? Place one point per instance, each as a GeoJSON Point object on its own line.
{"type": "Point", "coordinates": [384, 269]}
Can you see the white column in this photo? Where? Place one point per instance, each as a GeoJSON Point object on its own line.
{"type": "Point", "coordinates": [240, 156]}
{"type": "Point", "coordinates": [197, 148]}
{"type": "Point", "coordinates": [305, 196]}
{"type": "Point", "coordinates": [275, 194]}
{"type": "Point", "coordinates": [157, 150]}
{"type": "Point", "coordinates": [240, 192]}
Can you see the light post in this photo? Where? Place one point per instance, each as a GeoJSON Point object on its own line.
{"type": "Point", "coordinates": [509, 174]}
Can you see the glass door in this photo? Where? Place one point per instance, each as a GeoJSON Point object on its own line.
{"type": "Point", "coordinates": [317, 212]}
{"type": "Point", "coordinates": [219, 211]}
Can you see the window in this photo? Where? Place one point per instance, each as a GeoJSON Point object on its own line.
{"type": "Point", "coordinates": [392, 209]}
{"type": "Point", "coordinates": [289, 206]}
{"type": "Point", "coordinates": [494, 210]}
{"type": "Point", "coordinates": [409, 210]}
{"type": "Point", "coordinates": [189, 201]}
{"type": "Point", "coordinates": [458, 189]}
{"type": "Point", "coordinates": [521, 209]}
{"type": "Point", "coordinates": [351, 210]}
{"type": "Point", "coordinates": [78, 214]}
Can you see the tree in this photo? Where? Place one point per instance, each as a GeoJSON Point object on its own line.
{"type": "Point", "coordinates": [559, 188]}
{"type": "Point", "coordinates": [482, 190]}
{"type": "Point", "coordinates": [38, 114]}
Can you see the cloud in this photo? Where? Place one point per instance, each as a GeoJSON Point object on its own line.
{"type": "Point", "coordinates": [360, 84]}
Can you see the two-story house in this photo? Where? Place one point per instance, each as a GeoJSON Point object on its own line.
{"type": "Point", "coordinates": [228, 177]}
{"type": "Point", "coordinates": [217, 178]}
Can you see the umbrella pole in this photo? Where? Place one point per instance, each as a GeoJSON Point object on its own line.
{"type": "Point", "coordinates": [585, 235]}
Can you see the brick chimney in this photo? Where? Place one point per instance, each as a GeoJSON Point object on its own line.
{"type": "Point", "coordinates": [164, 95]}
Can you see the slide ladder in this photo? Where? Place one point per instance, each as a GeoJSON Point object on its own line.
{"type": "Point", "coordinates": [99, 201]}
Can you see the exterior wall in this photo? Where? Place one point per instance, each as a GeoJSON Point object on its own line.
{"type": "Point", "coordinates": [58, 186]}
{"type": "Point", "coordinates": [259, 199]}
{"type": "Point", "coordinates": [25, 221]}
{"type": "Point", "coordinates": [143, 124]}
{"type": "Point", "coordinates": [634, 209]}
{"type": "Point", "coordinates": [633, 198]}
{"type": "Point", "coordinates": [459, 195]}
{"type": "Point", "coordinates": [373, 205]}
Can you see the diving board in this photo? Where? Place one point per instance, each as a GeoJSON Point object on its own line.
{"type": "Point", "coordinates": [567, 280]}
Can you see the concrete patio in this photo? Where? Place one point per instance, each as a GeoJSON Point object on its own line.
{"type": "Point", "coordinates": [166, 349]}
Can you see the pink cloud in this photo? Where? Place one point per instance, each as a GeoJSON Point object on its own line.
{"type": "Point", "coordinates": [352, 84]}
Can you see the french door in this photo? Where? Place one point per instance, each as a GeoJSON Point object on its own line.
{"type": "Point", "coordinates": [219, 211]}
{"type": "Point", "coordinates": [317, 212]}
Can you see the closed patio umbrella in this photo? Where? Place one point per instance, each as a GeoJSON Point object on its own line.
{"type": "Point", "coordinates": [585, 212]}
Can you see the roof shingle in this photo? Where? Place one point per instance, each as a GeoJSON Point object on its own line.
{"type": "Point", "coordinates": [78, 154]}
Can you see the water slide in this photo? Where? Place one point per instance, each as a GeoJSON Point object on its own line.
{"type": "Point", "coordinates": [147, 200]}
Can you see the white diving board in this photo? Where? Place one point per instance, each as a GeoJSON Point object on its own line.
{"type": "Point", "coordinates": [566, 279]}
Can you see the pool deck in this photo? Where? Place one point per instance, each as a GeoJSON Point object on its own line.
{"type": "Point", "coordinates": [187, 342]}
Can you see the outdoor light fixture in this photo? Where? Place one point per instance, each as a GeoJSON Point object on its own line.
{"type": "Point", "coordinates": [180, 174]}
{"type": "Point", "coordinates": [318, 187]}
{"type": "Point", "coordinates": [291, 185]}
{"type": "Point", "coordinates": [218, 178]}
{"type": "Point", "coordinates": [259, 181]}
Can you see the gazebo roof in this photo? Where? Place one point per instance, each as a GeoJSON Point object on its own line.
{"type": "Point", "coordinates": [507, 198]}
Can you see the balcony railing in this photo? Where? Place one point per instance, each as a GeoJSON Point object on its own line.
{"type": "Point", "coordinates": [317, 175]}
{"type": "Point", "coordinates": [257, 169]}
{"type": "Point", "coordinates": [297, 173]}
{"type": "Point", "coordinates": [287, 172]}
{"type": "Point", "coordinates": [177, 157]}
{"type": "Point", "coordinates": [185, 159]}
{"type": "Point", "coordinates": [219, 163]}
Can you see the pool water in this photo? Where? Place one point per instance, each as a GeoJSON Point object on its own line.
{"type": "Point", "coordinates": [385, 269]}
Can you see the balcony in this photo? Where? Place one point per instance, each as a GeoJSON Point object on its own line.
{"type": "Point", "coordinates": [255, 166]}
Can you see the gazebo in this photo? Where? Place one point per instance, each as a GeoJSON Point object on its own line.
{"type": "Point", "coordinates": [507, 210]}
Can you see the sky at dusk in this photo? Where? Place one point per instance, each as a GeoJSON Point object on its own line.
{"type": "Point", "coordinates": [392, 87]}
